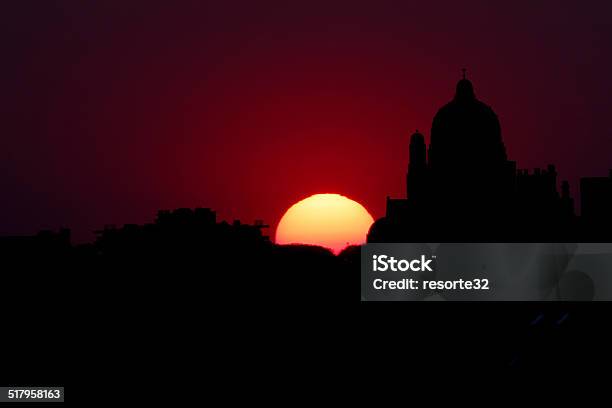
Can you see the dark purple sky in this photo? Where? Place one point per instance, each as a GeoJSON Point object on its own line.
{"type": "Point", "coordinates": [113, 109]}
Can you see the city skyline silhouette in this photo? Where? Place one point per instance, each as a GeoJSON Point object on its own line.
{"type": "Point", "coordinates": [113, 111]}
{"type": "Point", "coordinates": [462, 188]}
{"type": "Point", "coordinates": [149, 149]}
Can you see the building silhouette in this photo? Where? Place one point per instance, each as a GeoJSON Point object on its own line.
{"type": "Point", "coordinates": [463, 187]}
{"type": "Point", "coordinates": [183, 233]}
{"type": "Point", "coordinates": [596, 198]}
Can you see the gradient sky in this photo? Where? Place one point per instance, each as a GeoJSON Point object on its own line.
{"type": "Point", "coordinates": [114, 109]}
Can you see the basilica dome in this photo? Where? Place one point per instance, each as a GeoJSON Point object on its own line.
{"type": "Point", "coordinates": [465, 131]}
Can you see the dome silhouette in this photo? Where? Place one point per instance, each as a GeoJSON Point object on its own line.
{"type": "Point", "coordinates": [466, 130]}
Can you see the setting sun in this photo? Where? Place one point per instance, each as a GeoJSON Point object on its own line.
{"type": "Point", "coordinates": [330, 220]}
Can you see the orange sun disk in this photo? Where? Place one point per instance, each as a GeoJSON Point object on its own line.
{"type": "Point", "coordinates": [329, 220]}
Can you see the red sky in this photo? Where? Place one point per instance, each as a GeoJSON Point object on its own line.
{"type": "Point", "coordinates": [112, 111]}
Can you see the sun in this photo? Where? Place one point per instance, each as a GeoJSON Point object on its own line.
{"type": "Point", "coordinates": [329, 220]}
